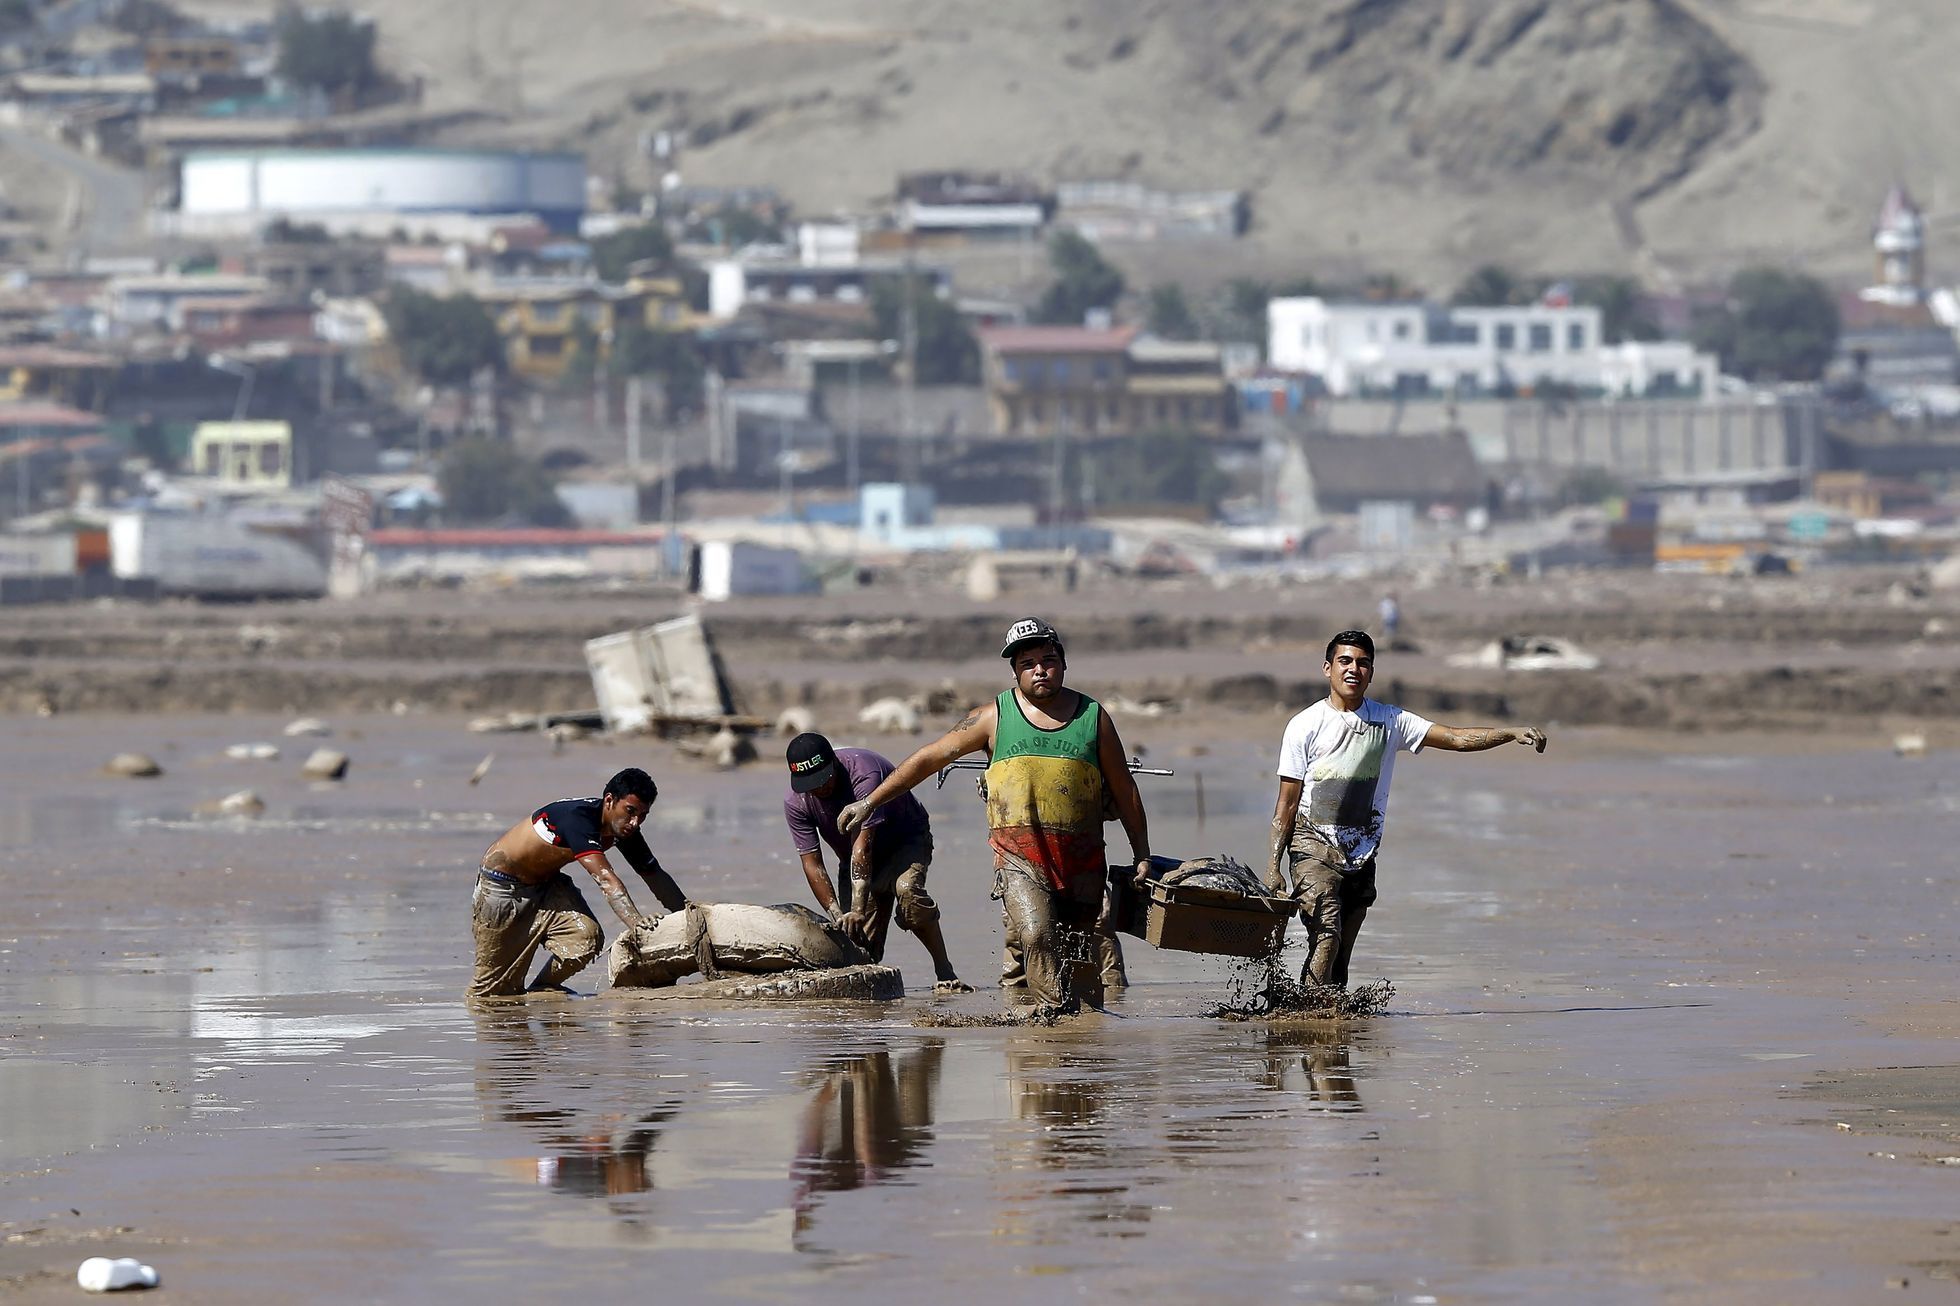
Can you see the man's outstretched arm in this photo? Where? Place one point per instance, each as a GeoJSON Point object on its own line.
{"type": "Point", "coordinates": [1477, 739]}
{"type": "Point", "coordinates": [974, 733]}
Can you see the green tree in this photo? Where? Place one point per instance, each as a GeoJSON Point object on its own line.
{"type": "Point", "coordinates": [333, 52]}
{"type": "Point", "coordinates": [1491, 286]}
{"type": "Point", "coordinates": [948, 353]}
{"type": "Point", "coordinates": [614, 255]}
{"type": "Point", "coordinates": [668, 357]}
{"type": "Point", "coordinates": [1083, 280]}
{"type": "Point", "coordinates": [443, 341]}
{"type": "Point", "coordinates": [485, 480]}
{"type": "Point", "coordinates": [732, 226]}
{"type": "Point", "coordinates": [1622, 316]}
{"type": "Point", "coordinates": [1775, 326]}
{"type": "Point", "coordinates": [1168, 313]}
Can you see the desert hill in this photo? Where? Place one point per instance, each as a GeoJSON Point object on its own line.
{"type": "Point", "coordinates": [1673, 138]}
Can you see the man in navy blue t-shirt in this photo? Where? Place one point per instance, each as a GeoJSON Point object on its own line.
{"type": "Point", "coordinates": [524, 899]}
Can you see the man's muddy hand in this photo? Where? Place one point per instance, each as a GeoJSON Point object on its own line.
{"type": "Point", "coordinates": [854, 815]}
{"type": "Point", "coordinates": [1143, 872]}
{"type": "Point", "coordinates": [1533, 736]}
{"type": "Point", "coordinates": [856, 927]}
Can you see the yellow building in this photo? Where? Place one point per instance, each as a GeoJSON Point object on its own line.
{"type": "Point", "coordinates": [542, 324]}
{"type": "Point", "coordinates": [248, 455]}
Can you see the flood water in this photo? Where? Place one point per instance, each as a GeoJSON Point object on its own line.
{"type": "Point", "coordinates": [1638, 988]}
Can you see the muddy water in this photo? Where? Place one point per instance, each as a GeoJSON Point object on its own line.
{"type": "Point", "coordinates": [1637, 990]}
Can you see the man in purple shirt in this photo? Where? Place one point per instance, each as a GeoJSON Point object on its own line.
{"type": "Point", "coordinates": [888, 857]}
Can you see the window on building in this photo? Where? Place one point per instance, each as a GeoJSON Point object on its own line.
{"type": "Point", "coordinates": [213, 459]}
{"type": "Point", "coordinates": [545, 346]}
{"type": "Point", "coordinates": [547, 314]}
{"type": "Point", "coordinates": [592, 314]}
{"type": "Point", "coordinates": [1061, 371]}
{"type": "Point", "coordinates": [1507, 336]}
{"type": "Point", "coordinates": [1112, 410]}
{"type": "Point", "coordinates": [1541, 337]}
{"type": "Point", "coordinates": [1010, 370]}
{"type": "Point", "coordinates": [1100, 369]}
{"type": "Point", "coordinates": [270, 459]}
{"type": "Point", "coordinates": [1575, 336]}
{"type": "Point", "coordinates": [1402, 329]}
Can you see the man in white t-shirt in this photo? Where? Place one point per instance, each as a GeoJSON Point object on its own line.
{"type": "Point", "coordinates": [1336, 760]}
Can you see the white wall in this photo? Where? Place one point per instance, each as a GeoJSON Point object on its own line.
{"type": "Point", "coordinates": [316, 181]}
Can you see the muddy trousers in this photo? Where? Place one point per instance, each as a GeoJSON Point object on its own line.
{"type": "Point", "coordinates": [1109, 958]}
{"type": "Point", "coordinates": [511, 922]}
{"type": "Point", "coordinates": [1334, 899]}
{"type": "Point", "coordinates": [1046, 925]}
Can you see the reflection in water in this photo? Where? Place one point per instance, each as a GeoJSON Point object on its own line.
{"type": "Point", "coordinates": [1312, 1060]}
{"type": "Point", "coordinates": [610, 1156]}
{"type": "Point", "coordinates": [1068, 1095]}
{"type": "Point", "coordinates": [868, 1118]}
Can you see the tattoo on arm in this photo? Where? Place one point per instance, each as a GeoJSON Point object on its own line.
{"type": "Point", "coordinates": [967, 722]}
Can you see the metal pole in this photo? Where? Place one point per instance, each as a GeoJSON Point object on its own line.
{"type": "Point", "coordinates": [851, 437]}
{"type": "Point", "coordinates": [782, 462]}
{"type": "Point", "coordinates": [667, 558]}
{"type": "Point", "coordinates": [909, 333]}
{"type": "Point", "coordinates": [633, 424]}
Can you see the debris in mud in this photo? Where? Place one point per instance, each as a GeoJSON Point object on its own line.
{"type": "Point", "coordinates": [134, 766]}
{"type": "Point", "coordinates": [252, 752]}
{"type": "Point", "coordinates": [741, 937]}
{"type": "Point", "coordinates": [926, 1018]}
{"type": "Point", "coordinates": [893, 716]}
{"type": "Point", "coordinates": [794, 721]}
{"type": "Point", "coordinates": [243, 803]}
{"type": "Point", "coordinates": [101, 1274]}
{"type": "Point", "coordinates": [1261, 988]}
{"type": "Point", "coordinates": [482, 768]}
{"type": "Point", "coordinates": [1913, 745]}
{"type": "Point", "coordinates": [308, 727]}
{"type": "Point", "coordinates": [325, 764]}
{"type": "Point", "coordinates": [1528, 653]}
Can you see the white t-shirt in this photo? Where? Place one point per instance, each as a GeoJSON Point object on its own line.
{"type": "Point", "coordinates": [1347, 760]}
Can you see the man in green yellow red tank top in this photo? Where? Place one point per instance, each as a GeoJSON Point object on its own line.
{"type": "Point", "coordinates": [1053, 754]}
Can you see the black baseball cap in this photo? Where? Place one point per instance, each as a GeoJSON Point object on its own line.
{"type": "Point", "coordinates": [812, 761]}
{"type": "Point", "coordinates": [1029, 630]}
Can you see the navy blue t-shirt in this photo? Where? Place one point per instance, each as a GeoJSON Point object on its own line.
{"type": "Point", "coordinates": [574, 824]}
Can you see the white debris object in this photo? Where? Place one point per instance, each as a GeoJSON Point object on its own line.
{"type": "Point", "coordinates": [894, 716]}
{"type": "Point", "coordinates": [325, 764]}
{"type": "Point", "coordinates": [1528, 653]}
{"type": "Point", "coordinates": [252, 752]}
{"type": "Point", "coordinates": [1909, 745]}
{"type": "Point", "coordinates": [101, 1274]}
{"type": "Point", "coordinates": [139, 766]}
{"type": "Point", "coordinates": [795, 721]}
{"type": "Point", "coordinates": [308, 727]}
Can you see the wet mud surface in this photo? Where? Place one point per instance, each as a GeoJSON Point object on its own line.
{"type": "Point", "coordinates": [1637, 982]}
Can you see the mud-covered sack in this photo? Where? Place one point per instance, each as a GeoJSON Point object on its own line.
{"type": "Point", "coordinates": [1219, 874]}
{"type": "Point", "coordinates": [729, 937]}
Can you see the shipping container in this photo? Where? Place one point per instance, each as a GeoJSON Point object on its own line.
{"type": "Point", "coordinates": [37, 555]}
{"type": "Point", "coordinates": [212, 556]}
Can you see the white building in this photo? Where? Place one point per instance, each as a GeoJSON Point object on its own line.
{"type": "Point", "coordinates": [375, 191]}
{"type": "Point", "coordinates": [733, 282]}
{"type": "Point", "coordinates": [1367, 348]}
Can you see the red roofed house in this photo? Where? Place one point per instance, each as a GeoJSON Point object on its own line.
{"type": "Point", "coordinates": [1093, 381]}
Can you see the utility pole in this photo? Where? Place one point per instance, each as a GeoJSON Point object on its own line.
{"type": "Point", "coordinates": [633, 426]}
{"type": "Point", "coordinates": [851, 437]}
{"type": "Point", "coordinates": [909, 338]}
{"type": "Point", "coordinates": [668, 554]}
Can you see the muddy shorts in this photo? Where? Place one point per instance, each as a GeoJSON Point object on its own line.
{"type": "Point", "coordinates": [511, 920]}
{"type": "Point", "coordinates": [899, 873]}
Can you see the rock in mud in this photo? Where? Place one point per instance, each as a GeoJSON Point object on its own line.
{"type": "Point", "coordinates": [745, 938]}
{"type": "Point", "coordinates": [325, 764]}
{"type": "Point", "coordinates": [242, 803]}
{"type": "Point", "coordinates": [134, 766]}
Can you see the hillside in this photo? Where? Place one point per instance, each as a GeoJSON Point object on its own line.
{"type": "Point", "coordinates": [1675, 138]}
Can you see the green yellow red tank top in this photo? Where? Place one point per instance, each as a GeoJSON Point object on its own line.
{"type": "Point", "coordinates": [1045, 792]}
